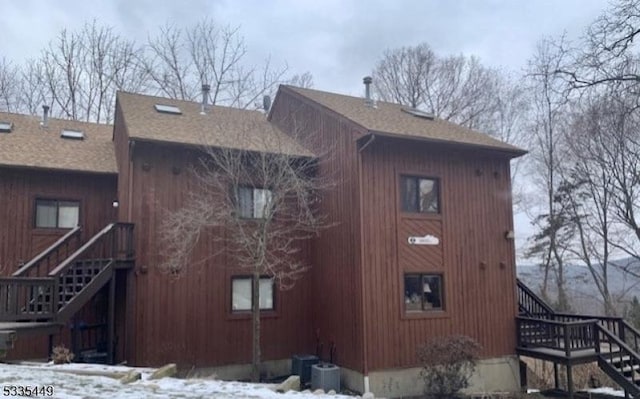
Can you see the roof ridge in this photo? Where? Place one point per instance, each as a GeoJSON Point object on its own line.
{"type": "Point", "coordinates": [124, 92]}
{"type": "Point", "coordinates": [50, 118]}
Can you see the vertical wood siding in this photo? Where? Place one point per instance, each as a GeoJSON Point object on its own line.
{"type": "Point", "coordinates": [336, 275]}
{"type": "Point", "coordinates": [20, 240]}
{"type": "Point", "coordinates": [19, 188]}
{"type": "Point", "coordinates": [187, 320]}
{"type": "Point", "coordinates": [476, 260]}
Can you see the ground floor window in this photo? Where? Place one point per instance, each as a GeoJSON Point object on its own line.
{"type": "Point", "coordinates": [423, 292]}
{"type": "Point", "coordinates": [242, 298]}
{"type": "Point", "coordinates": [57, 214]}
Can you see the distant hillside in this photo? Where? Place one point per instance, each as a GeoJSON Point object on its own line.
{"type": "Point", "coordinates": [581, 289]}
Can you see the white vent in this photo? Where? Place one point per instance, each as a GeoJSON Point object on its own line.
{"type": "Point", "coordinates": [72, 134]}
{"type": "Point", "coordinates": [418, 113]}
{"type": "Point", "coordinates": [6, 127]}
{"type": "Point", "coordinates": [168, 109]}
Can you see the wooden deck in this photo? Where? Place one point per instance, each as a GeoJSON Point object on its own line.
{"type": "Point", "coordinates": [31, 328]}
{"type": "Point", "coordinates": [579, 356]}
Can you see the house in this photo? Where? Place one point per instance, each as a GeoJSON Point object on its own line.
{"type": "Point", "coordinates": [421, 244]}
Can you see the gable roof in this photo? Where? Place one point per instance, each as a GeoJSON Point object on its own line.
{"type": "Point", "coordinates": [388, 119]}
{"type": "Point", "coordinates": [222, 127]}
{"type": "Point", "coordinates": [30, 145]}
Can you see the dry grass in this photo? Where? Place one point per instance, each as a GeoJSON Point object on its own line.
{"type": "Point", "coordinates": [585, 376]}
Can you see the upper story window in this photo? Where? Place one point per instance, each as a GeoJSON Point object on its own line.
{"type": "Point", "coordinates": [253, 203]}
{"type": "Point", "coordinates": [420, 195]}
{"type": "Point", "coordinates": [57, 214]}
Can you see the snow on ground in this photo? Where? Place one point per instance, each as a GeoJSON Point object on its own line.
{"type": "Point", "coordinates": [67, 385]}
{"type": "Point", "coordinates": [607, 391]}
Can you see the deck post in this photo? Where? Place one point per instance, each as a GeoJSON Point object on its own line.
{"type": "Point", "coordinates": [570, 381]}
{"type": "Point", "coordinates": [49, 355]}
{"type": "Point", "coordinates": [111, 318]}
{"type": "Point", "coordinates": [555, 376]}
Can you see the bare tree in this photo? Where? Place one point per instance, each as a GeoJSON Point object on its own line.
{"type": "Point", "coordinates": [9, 86]}
{"type": "Point", "coordinates": [401, 75]}
{"type": "Point", "coordinates": [264, 214]}
{"type": "Point", "coordinates": [83, 70]}
{"type": "Point", "coordinates": [33, 87]}
{"type": "Point", "coordinates": [304, 80]}
{"type": "Point", "coordinates": [181, 60]}
{"type": "Point", "coordinates": [548, 113]}
{"type": "Point", "coordinates": [607, 52]}
{"type": "Point", "coordinates": [455, 88]}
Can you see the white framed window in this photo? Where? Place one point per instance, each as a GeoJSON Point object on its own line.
{"type": "Point", "coordinates": [241, 294]}
{"type": "Point", "coordinates": [253, 203]}
{"type": "Point", "coordinates": [56, 214]}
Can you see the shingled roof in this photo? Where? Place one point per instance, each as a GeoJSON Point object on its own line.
{"type": "Point", "coordinates": [222, 127]}
{"type": "Point", "coordinates": [30, 145]}
{"type": "Point", "coordinates": [389, 119]}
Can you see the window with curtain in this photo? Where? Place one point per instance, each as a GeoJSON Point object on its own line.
{"type": "Point", "coordinates": [242, 298]}
{"type": "Point", "coordinates": [253, 203]}
{"type": "Point", "coordinates": [420, 195]}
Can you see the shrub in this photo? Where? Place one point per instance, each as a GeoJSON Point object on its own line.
{"type": "Point", "coordinates": [60, 354]}
{"type": "Point", "coordinates": [447, 365]}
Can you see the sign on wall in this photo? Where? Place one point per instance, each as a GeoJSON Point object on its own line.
{"type": "Point", "coordinates": [426, 240]}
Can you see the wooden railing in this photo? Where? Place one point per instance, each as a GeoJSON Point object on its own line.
{"type": "Point", "coordinates": [558, 335]}
{"type": "Point", "coordinates": [618, 360]}
{"type": "Point", "coordinates": [611, 323]}
{"type": "Point", "coordinates": [532, 305]}
{"type": "Point", "coordinates": [113, 242]}
{"type": "Point", "coordinates": [51, 257]}
{"type": "Point", "coordinates": [27, 298]}
{"type": "Point", "coordinates": [74, 280]}
{"type": "Point", "coordinates": [124, 244]}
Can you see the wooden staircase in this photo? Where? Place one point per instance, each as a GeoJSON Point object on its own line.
{"type": "Point", "coordinates": [570, 339]}
{"type": "Point", "coordinates": [45, 293]}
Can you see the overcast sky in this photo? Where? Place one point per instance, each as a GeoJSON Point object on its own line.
{"type": "Point", "coordinates": [338, 41]}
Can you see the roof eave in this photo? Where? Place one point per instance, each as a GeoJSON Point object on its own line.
{"type": "Point", "coordinates": [54, 169]}
{"type": "Point", "coordinates": [308, 155]}
{"type": "Point", "coordinates": [513, 152]}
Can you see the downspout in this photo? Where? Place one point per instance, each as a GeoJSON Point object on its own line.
{"type": "Point", "coordinates": [372, 137]}
{"type": "Point", "coordinates": [365, 361]}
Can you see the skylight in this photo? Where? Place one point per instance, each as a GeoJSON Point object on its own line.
{"type": "Point", "coordinates": [72, 134]}
{"type": "Point", "coordinates": [6, 127]}
{"type": "Point", "coordinates": [418, 113]}
{"type": "Point", "coordinates": [168, 109]}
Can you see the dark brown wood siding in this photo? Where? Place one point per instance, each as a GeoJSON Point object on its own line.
{"type": "Point", "coordinates": [20, 240]}
{"type": "Point", "coordinates": [188, 320]}
{"type": "Point", "coordinates": [475, 259]}
{"type": "Point", "coordinates": [336, 273]}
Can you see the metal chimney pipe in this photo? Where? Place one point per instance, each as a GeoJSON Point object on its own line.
{"type": "Point", "coordinates": [367, 80]}
{"type": "Point", "coordinates": [45, 115]}
{"type": "Point", "coordinates": [205, 98]}
{"type": "Point", "coordinates": [266, 103]}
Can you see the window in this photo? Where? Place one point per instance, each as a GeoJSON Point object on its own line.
{"type": "Point", "coordinates": [167, 109]}
{"type": "Point", "coordinates": [241, 298]}
{"type": "Point", "coordinates": [57, 214]}
{"type": "Point", "coordinates": [423, 292]}
{"type": "Point", "coordinates": [6, 127]}
{"type": "Point", "coordinates": [72, 134]}
{"type": "Point", "coordinates": [253, 202]}
{"type": "Point", "coordinates": [418, 113]}
{"type": "Point", "coordinates": [420, 195]}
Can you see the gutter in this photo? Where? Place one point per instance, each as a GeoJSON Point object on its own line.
{"type": "Point", "coordinates": [372, 138]}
